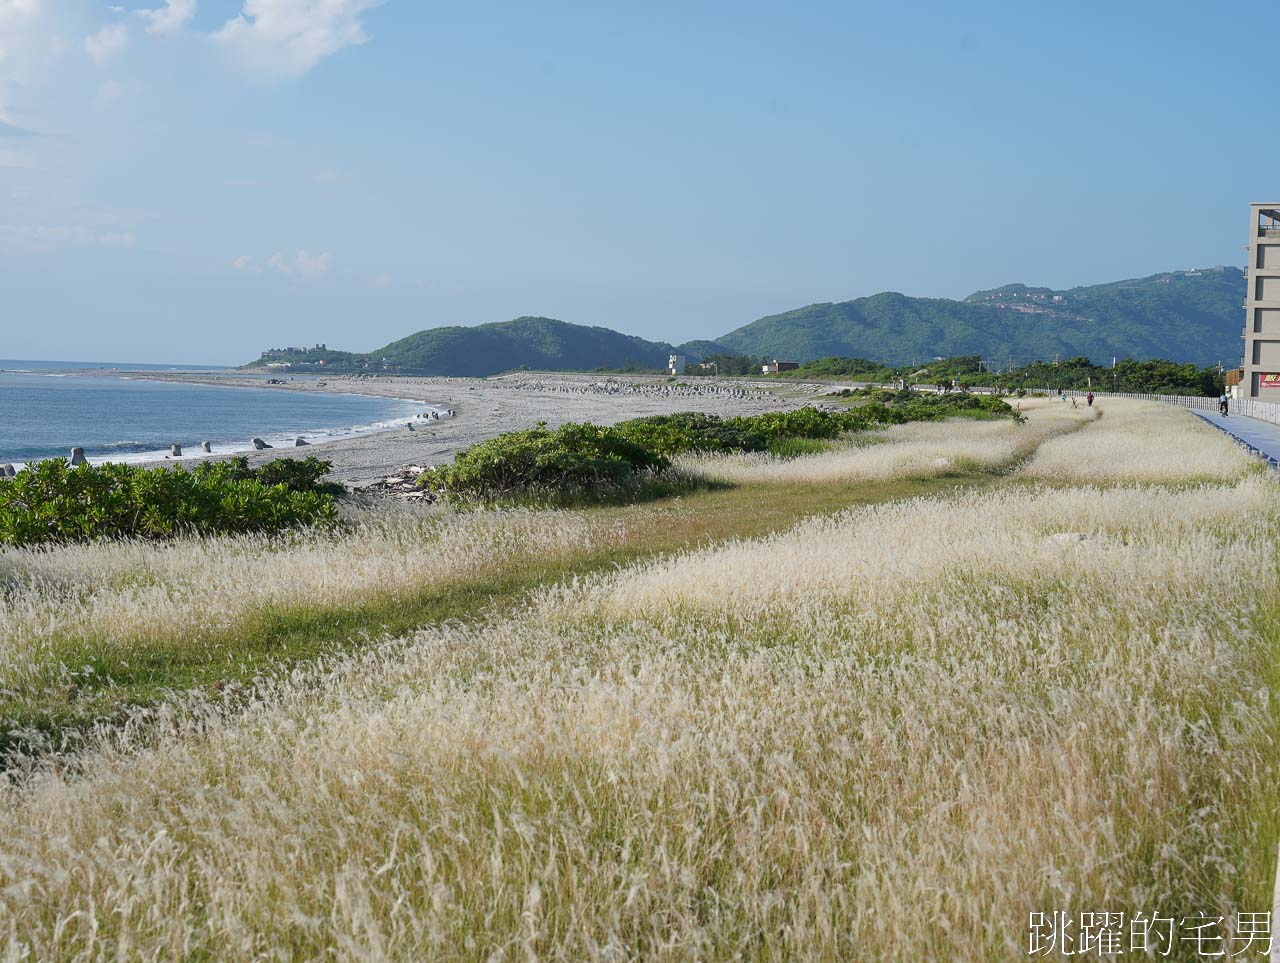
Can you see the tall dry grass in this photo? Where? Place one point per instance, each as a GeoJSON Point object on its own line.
{"type": "Point", "coordinates": [885, 735]}
{"type": "Point", "coordinates": [1141, 441]}
{"type": "Point", "coordinates": [918, 450]}
{"type": "Point", "coordinates": [54, 602]}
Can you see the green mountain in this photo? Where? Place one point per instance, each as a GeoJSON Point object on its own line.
{"type": "Point", "coordinates": [487, 349]}
{"type": "Point", "coordinates": [1187, 316]}
{"type": "Point", "coordinates": [1184, 315]}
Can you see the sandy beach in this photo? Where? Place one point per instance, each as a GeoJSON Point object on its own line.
{"type": "Point", "coordinates": [485, 407]}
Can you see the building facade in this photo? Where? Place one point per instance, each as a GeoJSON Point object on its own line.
{"type": "Point", "coordinates": [1260, 372]}
{"type": "Point", "coordinates": [774, 366]}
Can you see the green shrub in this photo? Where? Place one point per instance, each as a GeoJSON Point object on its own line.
{"type": "Point", "coordinates": [806, 423]}
{"type": "Point", "coordinates": [52, 502]}
{"type": "Point", "coordinates": [690, 431]}
{"type": "Point", "coordinates": [295, 474]}
{"type": "Point", "coordinates": [956, 405]}
{"type": "Point", "coordinates": [575, 459]}
{"type": "Point", "coordinates": [584, 461]}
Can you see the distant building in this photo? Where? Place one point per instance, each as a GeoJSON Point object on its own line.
{"type": "Point", "coordinates": [278, 352]}
{"type": "Point", "coordinates": [774, 366]}
{"type": "Point", "coordinates": [1260, 372]}
{"type": "Point", "coordinates": [676, 363]}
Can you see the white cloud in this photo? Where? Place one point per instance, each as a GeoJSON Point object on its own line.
{"type": "Point", "coordinates": [113, 92]}
{"type": "Point", "coordinates": [107, 42]}
{"type": "Point", "coordinates": [290, 37]}
{"type": "Point", "coordinates": [301, 264]}
{"type": "Point", "coordinates": [172, 17]}
{"type": "Point", "coordinates": [118, 239]}
{"type": "Point", "coordinates": [328, 176]}
{"type": "Point", "coordinates": [16, 13]}
{"type": "Point", "coordinates": [28, 42]}
{"type": "Point", "coordinates": [244, 263]}
{"type": "Point", "coordinates": [44, 238]}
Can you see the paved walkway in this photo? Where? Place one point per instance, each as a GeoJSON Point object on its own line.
{"type": "Point", "coordinates": [1260, 437]}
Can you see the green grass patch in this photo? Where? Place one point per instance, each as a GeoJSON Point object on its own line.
{"type": "Point", "coordinates": [796, 447]}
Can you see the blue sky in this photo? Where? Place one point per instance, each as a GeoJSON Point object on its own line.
{"type": "Point", "coordinates": [194, 180]}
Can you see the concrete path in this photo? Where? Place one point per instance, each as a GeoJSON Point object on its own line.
{"type": "Point", "coordinates": [1260, 437]}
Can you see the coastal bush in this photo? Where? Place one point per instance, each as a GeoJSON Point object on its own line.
{"type": "Point", "coordinates": [572, 460]}
{"type": "Point", "coordinates": [585, 460]}
{"type": "Point", "coordinates": [695, 432]}
{"type": "Point", "coordinates": [807, 423]}
{"type": "Point", "coordinates": [295, 474]}
{"type": "Point", "coordinates": [53, 502]}
{"type": "Point", "coordinates": [690, 431]}
{"type": "Point", "coordinates": [918, 407]}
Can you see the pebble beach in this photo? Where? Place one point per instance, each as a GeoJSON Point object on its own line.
{"type": "Point", "coordinates": [486, 407]}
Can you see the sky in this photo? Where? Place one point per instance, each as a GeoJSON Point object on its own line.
{"type": "Point", "coordinates": [196, 180]}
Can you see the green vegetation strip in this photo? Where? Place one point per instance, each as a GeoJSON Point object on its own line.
{"type": "Point", "coordinates": [52, 502]}
{"type": "Point", "coordinates": [582, 463]}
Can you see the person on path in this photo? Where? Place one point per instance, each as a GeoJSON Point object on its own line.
{"type": "Point", "coordinates": [1089, 398]}
{"type": "Point", "coordinates": [1222, 405]}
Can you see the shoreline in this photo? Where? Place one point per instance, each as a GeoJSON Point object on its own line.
{"type": "Point", "coordinates": [280, 440]}
{"type": "Point", "coordinates": [486, 407]}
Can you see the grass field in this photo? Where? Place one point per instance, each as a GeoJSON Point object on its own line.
{"type": "Point", "coordinates": [879, 702]}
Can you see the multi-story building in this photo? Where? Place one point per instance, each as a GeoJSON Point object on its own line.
{"type": "Point", "coordinates": [1260, 373]}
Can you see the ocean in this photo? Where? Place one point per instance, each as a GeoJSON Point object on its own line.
{"type": "Point", "coordinates": [44, 412]}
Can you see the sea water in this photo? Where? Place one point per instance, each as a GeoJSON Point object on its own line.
{"type": "Point", "coordinates": [44, 412]}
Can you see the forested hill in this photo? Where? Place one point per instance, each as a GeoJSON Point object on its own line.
{"type": "Point", "coordinates": [1184, 315]}
{"type": "Point", "coordinates": [1192, 316]}
{"type": "Point", "coordinates": [487, 349]}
